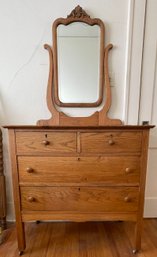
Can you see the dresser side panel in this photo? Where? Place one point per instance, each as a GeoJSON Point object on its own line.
{"type": "Point", "coordinates": [144, 156]}
{"type": "Point", "coordinates": [16, 192]}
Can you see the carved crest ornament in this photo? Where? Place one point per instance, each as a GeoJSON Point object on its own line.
{"type": "Point", "coordinates": [78, 12]}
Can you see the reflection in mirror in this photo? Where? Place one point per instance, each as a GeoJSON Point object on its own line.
{"type": "Point", "coordinates": [78, 52]}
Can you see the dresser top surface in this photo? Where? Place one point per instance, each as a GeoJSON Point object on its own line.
{"type": "Point", "coordinates": [121, 127]}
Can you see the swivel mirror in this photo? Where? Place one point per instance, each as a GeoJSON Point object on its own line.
{"type": "Point", "coordinates": [78, 70]}
{"type": "Point", "coordinates": [78, 60]}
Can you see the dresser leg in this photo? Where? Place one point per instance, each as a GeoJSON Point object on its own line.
{"type": "Point", "coordinates": [20, 236]}
{"type": "Point", "coordinates": [138, 231]}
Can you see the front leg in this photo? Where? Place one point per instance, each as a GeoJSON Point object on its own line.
{"type": "Point", "coordinates": [20, 236]}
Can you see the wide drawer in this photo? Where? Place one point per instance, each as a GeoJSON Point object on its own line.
{"type": "Point", "coordinates": [93, 170]}
{"type": "Point", "coordinates": [45, 142]}
{"type": "Point", "coordinates": [80, 199]}
{"type": "Point", "coordinates": [109, 142]}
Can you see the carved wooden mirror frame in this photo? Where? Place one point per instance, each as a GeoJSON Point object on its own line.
{"type": "Point", "coordinates": [78, 15]}
{"type": "Point", "coordinates": [61, 119]}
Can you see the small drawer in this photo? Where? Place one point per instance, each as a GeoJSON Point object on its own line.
{"type": "Point", "coordinates": [109, 142]}
{"type": "Point", "coordinates": [87, 170]}
{"type": "Point", "coordinates": [45, 142]}
{"type": "Point", "coordinates": [80, 199]}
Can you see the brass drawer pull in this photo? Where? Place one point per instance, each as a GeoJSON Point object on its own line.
{"type": "Point", "coordinates": [128, 170]}
{"type": "Point", "coordinates": [31, 199]}
{"type": "Point", "coordinates": [111, 142]}
{"type": "Point", "coordinates": [127, 199]}
{"type": "Point", "coordinates": [45, 142]}
{"type": "Point", "coordinates": [29, 170]}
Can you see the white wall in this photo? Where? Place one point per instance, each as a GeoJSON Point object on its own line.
{"type": "Point", "coordinates": [24, 27]}
{"type": "Point", "coordinates": [148, 103]}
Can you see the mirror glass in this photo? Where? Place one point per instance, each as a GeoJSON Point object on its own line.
{"type": "Point", "coordinates": [78, 55]}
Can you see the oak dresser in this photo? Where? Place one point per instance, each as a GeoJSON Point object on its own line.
{"type": "Point", "coordinates": [79, 168]}
{"type": "Point", "coordinates": [78, 174]}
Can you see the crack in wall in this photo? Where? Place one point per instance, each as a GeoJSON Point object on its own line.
{"type": "Point", "coordinates": [29, 59]}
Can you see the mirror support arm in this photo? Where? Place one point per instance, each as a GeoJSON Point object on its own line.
{"type": "Point", "coordinates": [107, 79]}
{"type": "Point", "coordinates": [60, 119]}
{"type": "Point", "coordinates": [103, 118]}
{"type": "Point", "coordinates": [54, 120]}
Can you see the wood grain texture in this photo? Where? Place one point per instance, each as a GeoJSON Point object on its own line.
{"type": "Point", "coordinates": [98, 128]}
{"type": "Point", "coordinates": [111, 142]}
{"type": "Point", "coordinates": [103, 114]}
{"type": "Point", "coordinates": [142, 189]}
{"type": "Point", "coordinates": [17, 199]}
{"type": "Point", "coordinates": [54, 120]}
{"type": "Point", "coordinates": [79, 174]}
{"type": "Point", "coordinates": [69, 171]}
{"type": "Point", "coordinates": [77, 216]}
{"type": "Point", "coordinates": [65, 120]}
{"type": "Point", "coordinates": [32, 142]}
{"type": "Point", "coordinates": [80, 199]}
{"type": "Point", "coordinates": [99, 239]}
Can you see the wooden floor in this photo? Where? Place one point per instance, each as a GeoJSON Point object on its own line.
{"type": "Point", "coordinates": [97, 239]}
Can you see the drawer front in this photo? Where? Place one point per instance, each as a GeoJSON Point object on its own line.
{"type": "Point", "coordinates": [45, 142]}
{"type": "Point", "coordinates": [108, 142]}
{"type": "Point", "coordinates": [83, 199]}
{"type": "Point", "coordinates": [92, 170]}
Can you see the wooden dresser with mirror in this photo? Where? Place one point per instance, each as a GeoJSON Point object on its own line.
{"type": "Point", "coordinates": [78, 168]}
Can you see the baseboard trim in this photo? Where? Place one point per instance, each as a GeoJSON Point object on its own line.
{"type": "Point", "coordinates": [150, 210]}
{"type": "Point", "coordinates": [10, 212]}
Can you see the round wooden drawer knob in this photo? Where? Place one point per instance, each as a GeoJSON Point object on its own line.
{"type": "Point", "coordinates": [127, 199]}
{"type": "Point", "coordinates": [31, 199]}
{"type": "Point", "coordinates": [111, 142]}
{"type": "Point", "coordinates": [128, 170]}
{"type": "Point", "coordinates": [29, 170]}
{"type": "Point", "coordinates": [45, 142]}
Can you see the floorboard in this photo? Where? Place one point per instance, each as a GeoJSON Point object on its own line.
{"type": "Point", "coordinates": [90, 239]}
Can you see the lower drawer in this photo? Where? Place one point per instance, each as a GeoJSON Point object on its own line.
{"type": "Point", "coordinates": [80, 199]}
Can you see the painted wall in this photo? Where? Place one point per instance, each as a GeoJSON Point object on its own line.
{"type": "Point", "coordinates": [24, 27]}
{"type": "Point", "coordinates": [148, 103]}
